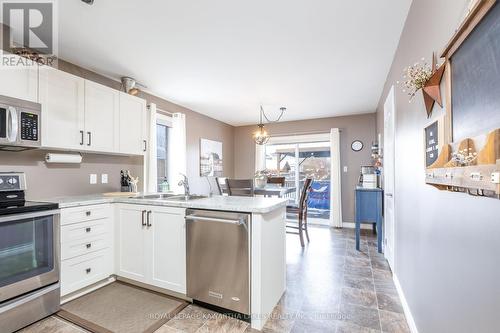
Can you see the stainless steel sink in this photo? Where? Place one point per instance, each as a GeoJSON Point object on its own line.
{"type": "Point", "coordinates": [155, 196]}
{"type": "Point", "coordinates": [185, 197]}
{"type": "Point", "coordinates": [170, 197]}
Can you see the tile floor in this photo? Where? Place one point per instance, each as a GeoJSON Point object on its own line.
{"type": "Point", "coordinates": [331, 287]}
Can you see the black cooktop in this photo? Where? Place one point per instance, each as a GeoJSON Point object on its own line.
{"type": "Point", "coordinates": [19, 207]}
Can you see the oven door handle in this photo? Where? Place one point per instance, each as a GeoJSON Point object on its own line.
{"type": "Point", "coordinates": [12, 124]}
{"type": "Point", "coordinates": [14, 217]}
{"type": "Point", "coordinates": [28, 298]}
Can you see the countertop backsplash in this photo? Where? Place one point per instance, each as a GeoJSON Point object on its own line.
{"type": "Point", "coordinates": [51, 180]}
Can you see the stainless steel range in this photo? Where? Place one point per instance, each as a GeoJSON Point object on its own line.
{"type": "Point", "coordinates": [29, 256]}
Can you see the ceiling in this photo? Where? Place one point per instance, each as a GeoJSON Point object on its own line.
{"type": "Point", "coordinates": [223, 58]}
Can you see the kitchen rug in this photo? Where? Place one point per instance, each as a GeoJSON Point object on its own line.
{"type": "Point", "coordinates": [121, 308]}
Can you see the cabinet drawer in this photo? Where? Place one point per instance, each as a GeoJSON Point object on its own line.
{"type": "Point", "coordinates": [84, 230]}
{"type": "Point", "coordinates": [85, 213]}
{"type": "Point", "coordinates": [82, 271]}
{"type": "Point", "coordinates": [83, 246]}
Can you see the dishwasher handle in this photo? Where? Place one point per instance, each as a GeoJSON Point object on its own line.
{"type": "Point", "coordinates": [214, 219]}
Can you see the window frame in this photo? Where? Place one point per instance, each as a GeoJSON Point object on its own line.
{"type": "Point", "coordinates": [163, 120]}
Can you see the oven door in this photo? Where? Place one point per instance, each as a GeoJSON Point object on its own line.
{"type": "Point", "coordinates": [29, 252]}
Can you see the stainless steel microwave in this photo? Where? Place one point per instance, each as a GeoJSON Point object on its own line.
{"type": "Point", "coordinates": [20, 124]}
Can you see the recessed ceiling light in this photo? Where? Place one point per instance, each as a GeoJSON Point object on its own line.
{"type": "Point", "coordinates": [89, 2]}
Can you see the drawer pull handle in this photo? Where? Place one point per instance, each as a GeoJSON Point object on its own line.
{"type": "Point", "coordinates": [88, 246]}
{"type": "Point", "coordinates": [88, 270]}
{"type": "Point", "coordinates": [149, 224]}
{"type": "Point", "coordinates": [88, 213]}
{"type": "Point", "coordinates": [143, 222]}
{"type": "Point", "coordinates": [88, 229]}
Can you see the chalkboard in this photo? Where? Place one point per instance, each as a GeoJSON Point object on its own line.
{"type": "Point", "coordinates": [431, 144]}
{"type": "Point", "coordinates": [476, 80]}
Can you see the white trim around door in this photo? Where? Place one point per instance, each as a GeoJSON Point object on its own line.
{"type": "Point", "coordinates": [389, 179]}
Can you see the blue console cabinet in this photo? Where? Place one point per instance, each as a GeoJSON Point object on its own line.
{"type": "Point", "coordinates": [369, 210]}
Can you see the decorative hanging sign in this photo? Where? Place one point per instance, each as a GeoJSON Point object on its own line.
{"type": "Point", "coordinates": [431, 143]}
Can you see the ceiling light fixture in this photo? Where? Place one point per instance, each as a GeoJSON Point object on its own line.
{"type": "Point", "coordinates": [129, 85]}
{"type": "Point", "coordinates": [88, 2]}
{"type": "Point", "coordinates": [261, 136]}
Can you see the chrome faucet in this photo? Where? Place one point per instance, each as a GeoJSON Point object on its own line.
{"type": "Point", "coordinates": [185, 182]}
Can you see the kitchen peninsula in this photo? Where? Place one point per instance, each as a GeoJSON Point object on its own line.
{"type": "Point", "coordinates": [143, 240]}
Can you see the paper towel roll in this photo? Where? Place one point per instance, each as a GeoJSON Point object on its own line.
{"type": "Point", "coordinates": [63, 158]}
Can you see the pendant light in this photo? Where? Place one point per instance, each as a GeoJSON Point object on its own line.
{"type": "Point", "coordinates": [261, 136]}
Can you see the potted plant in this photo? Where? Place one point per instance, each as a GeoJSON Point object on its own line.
{"type": "Point", "coordinates": [261, 178]}
{"type": "Point", "coordinates": [425, 77]}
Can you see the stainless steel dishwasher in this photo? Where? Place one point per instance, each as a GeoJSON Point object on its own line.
{"type": "Point", "coordinates": [218, 259]}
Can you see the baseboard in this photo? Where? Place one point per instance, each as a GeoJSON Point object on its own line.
{"type": "Point", "coordinates": [153, 288]}
{"type": "Point", "coordinates": [352, 225]}
{"type": "Point", "coordinates": [406, 307]}
{"type": "Point", "coordinates": [71, 296]}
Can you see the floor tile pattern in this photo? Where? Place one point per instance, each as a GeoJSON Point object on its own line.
{"type": "Point", "coordinates": [331, 287]}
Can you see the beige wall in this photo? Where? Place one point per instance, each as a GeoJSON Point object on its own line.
{"type": "Point", "coordinates": [46, 181]}
{"type": "Point", "coordinates": [446, 243]}
{"type": "Point", "coordinates": [352, 128]}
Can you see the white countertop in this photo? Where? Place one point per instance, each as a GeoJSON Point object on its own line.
{"type": "Point", "coordinates": [257, 205]}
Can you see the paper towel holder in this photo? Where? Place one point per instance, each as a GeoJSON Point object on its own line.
{"type": "Point", "coordinates": [63, 158]}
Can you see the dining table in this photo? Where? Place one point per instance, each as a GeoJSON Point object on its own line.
{"type": "Point", "coordinates": [271, 190]}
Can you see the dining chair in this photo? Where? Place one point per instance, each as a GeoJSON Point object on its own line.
{"type": "Point", "coordinates": [240, 187]}
{"type": "Point", "coordinates": [215, 188]}
{"type": "Point", "coordinates": [276, 180]}
{"type": "Point", "coordinates": [301, 211]}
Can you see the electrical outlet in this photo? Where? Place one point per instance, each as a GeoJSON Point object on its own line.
{"type": "Point", "coordinates": [495, 177]}
{"type": "Point", "coordinates": [476, 176]}
{"type": "Point", "coordinates": [93, 178]}
{"type": "Point", "coordinates": [104, 178]}
{"type": "Point", "coordinates": [345, 168]}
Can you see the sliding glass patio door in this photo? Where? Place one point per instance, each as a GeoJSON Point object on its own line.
{"type": "Point", "coordinates": [297, 161]}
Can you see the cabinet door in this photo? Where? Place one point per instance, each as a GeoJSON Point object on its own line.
{"type": "Point", "coordinates": [101, 117]}
{"type": "Point", "coordinates": [19, 78]}
{"type": "Point", "coordinates": [132, 124]}
{"type": "Point", "coordinates": [167, 241]}
{"type": "Point", "coordinates": [62, 99]}
{"type": "Point", "coordinates": [131, 255]}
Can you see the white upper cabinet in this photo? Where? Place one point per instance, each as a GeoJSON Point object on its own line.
{"type": "Point", "coordinates": [133, 113]}
{"type": "Point", "coordinates": [62, 100]}
{"type": "Point", "coordinates": [101, 117]}
{"type": "Point", "coordinates": [19, 81]}
{"type": "Point", "coordinates": [79, 114]}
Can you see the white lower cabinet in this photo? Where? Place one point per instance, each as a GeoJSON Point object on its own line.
{"type": "Point", "coordinates": [167, 244]}
{"type": "Point", "coordinates": [130, 239]}
{"type": "Point", "coordinates": [151, 245]}
{"type": "Point", "coordinates": [82, 271]}
{"type": "Point", "coordinates": [86, 246]}
{"type": "Point", "coordinates": [142, 243]}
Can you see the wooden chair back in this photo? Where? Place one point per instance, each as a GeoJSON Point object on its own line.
{"type": "Point", "coordinates": [240, 187]}
{"type": "Point", "coordinates": [215, 188]}
{"type": "Point", "coordinates": [276, 180]}
{"type": "Point", "coordinates": [305, 194]}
